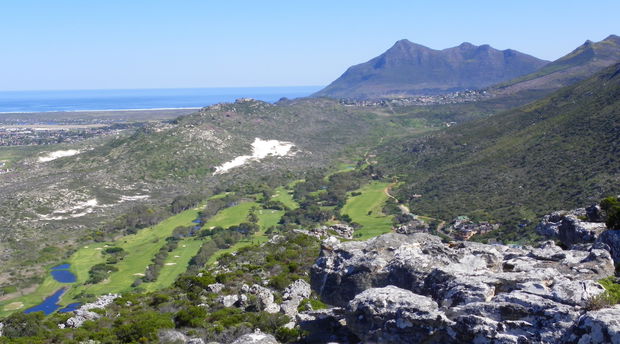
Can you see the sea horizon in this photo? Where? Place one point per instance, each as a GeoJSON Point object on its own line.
{"type": "Point", "coordinates": [35, 101]}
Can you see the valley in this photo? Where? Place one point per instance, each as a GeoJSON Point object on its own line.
{"type": "Point", "coordinates": [473, 191]}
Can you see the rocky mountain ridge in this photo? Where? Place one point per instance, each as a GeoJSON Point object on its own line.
{"type": "Point", "coordinates": [410, 68]}
{"type": "Point", "coordinates": [579, 64]}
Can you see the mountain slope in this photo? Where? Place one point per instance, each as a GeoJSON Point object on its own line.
{"type": "Point", "coordinates": [578, 65]}
{"type": "Point", "coordinates": [409, 68]}
{"type": "Point", "coordinates": [562, 151]}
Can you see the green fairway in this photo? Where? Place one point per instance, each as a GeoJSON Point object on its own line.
{"type": "Point", "coordinates": [231, 216]}
{"type": "Point", "coordinates": [140, 248]}
{"type": "Point", "coordinates": [175, 264]}
{"type": "Point", "coordinates": [266, 219]}
{"type": "Point", "coordinates": [285, 196]}
{"type": "Point", "coordinates": [365, 209]}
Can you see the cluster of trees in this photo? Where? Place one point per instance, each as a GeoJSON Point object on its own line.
{"type": "Point", "coordinates": [611, 206]}
{"type": "Point", "coordinates": [138, 217]}
{"type": "Point", "coordinates": [215, 205]}
{"type": "Point", "coordinates": [152, 271]}
{"type": "Point", "coordinates": [185, 202]}
{"type": "Point", "coordinates": [115, 254]}
{"type": "Point", "coordinates": [100, 272]}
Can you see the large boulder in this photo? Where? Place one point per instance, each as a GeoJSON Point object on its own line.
{"type": "Point", "coordinates": [596, 327]}
{"type": "Point", "coordinates": [573, 231]}
{"type": "Point", "coordinates": [172, 337]}
{"type": "Point", "coordinates": [395, 315]}
{"type": "Point", "coordinates": [265, 298]}
{"type": "Point", "coordinates": [325, 326]}
{"type": "Point", "coordinates": [611, 241]}
{"type": "Point", "coordinates": [293, 295]}
{"type": "Point", "coordinates": [256, 338]}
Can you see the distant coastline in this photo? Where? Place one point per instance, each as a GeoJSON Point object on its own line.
{"type": "Point", "coordinates": [20, 102]}
{"type": "Point", "coordinates": [104, 110]}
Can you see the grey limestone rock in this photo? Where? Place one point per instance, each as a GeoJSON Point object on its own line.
{"type": "Point", "coordinates": [172, 337]}
{"type": "Point", "coordinates": [574, 231]}
{"type": "Point", "coordinates": [256, 338]}
{"type": "Point", "coordinates": [266, 298]}
{"type": "Point", "coordinates": [395, 315]}
{"type": "Point", "coordinates": [611, 241]}
{"type": "Point", "coordinates": [458, 292]}
{"type": "Point", "coordinates": [596, 327]}
{"type": "Point", "coordinates": [293, 295]}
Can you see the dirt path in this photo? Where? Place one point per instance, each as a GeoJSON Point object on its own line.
{"type": "Point", "coordinates": [403, 208]}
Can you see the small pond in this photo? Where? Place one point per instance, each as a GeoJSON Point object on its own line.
{"type": "Point", "coordinates": [62, 274]}
{"type": "Point", "coordinates": [49, 305]}
{"type": "Point", "coordinates": [72, 307]}
{"type": "Point", "coordinates": [65, 266]}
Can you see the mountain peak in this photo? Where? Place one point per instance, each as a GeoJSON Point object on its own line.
{"type": "Point", "coordinates": [612, 38]}
{"type": "Point", "coordinates": [411, 68]}
{"type": "Point", "coordinates": [466, 45]}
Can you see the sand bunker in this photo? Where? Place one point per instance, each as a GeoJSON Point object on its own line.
{"type": "Point", "coordinates": [13, 306]}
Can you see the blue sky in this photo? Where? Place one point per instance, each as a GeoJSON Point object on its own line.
{"type": "Point", "coordinates": [95, 44]}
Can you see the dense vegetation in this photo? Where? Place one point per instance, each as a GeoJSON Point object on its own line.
{"type": "Point", "coordinates": [515, 166]}
{"type": "Point", "coordinates": [188, 305]}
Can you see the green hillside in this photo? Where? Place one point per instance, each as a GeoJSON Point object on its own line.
{"type": "Point", "coordinates": [559, 152]}
{"type": "Point", "coordinates": [577, 65]}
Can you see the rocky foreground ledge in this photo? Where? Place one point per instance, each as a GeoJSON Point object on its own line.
{"type": "Point", "coordinates": [416, 289]}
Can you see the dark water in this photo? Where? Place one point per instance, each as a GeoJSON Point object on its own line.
{"type": "Point", "coordinates": [72, 307]}
{"type": "Point", "coordinates": [62, 267]}
{"type": "Point", "coordinates": [63, 276]}
{"type": "Point", "coordinates": [49, 305]}
{"type": "Point", "coordinates": [46, 101]}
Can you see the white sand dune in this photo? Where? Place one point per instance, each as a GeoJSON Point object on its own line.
{"type": "Point", "coordinates": [58, 154]}
{"type": "Point", "coordinates": [78, 210]}
{"type": "Point", "coordinates": [260, 150]}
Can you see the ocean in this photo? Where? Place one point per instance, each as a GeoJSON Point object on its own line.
{"type": "Point", "coordinates": [174, 98]}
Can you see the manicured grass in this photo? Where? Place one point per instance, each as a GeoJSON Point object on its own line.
{"type": "Point", "coordinates": [286, 197]}
{"type": "Point", "coordinates": [266, 219]}
{"type": "Point", "coordinates": [231, 216]}
{"type": "Point", "coordinates": [365, 209]}
{"type": "Point", "coordinates": [175, 264]}
{"type": "Point", "coordinates": [140, 248]}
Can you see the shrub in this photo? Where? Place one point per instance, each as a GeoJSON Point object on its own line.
{"type": "Point", "coordinates": [611, 206]}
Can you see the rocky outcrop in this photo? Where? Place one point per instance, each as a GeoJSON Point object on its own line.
{"type": "Point", "coordinates": [172, 337]}
{"type": "Point", "coordinates": [602, 326]}
{"type": "Point", "coordinates": [256, 338]}
{"type": "Point", "coordinates": [394, 315]}
{"type": "Point", "coordinates": [550, 223]}
{"type": "Point", "coordinates": [575, 227]}
{"type": "Point", "coordinates": [610, 240]}
{"type": "Point", "coordinates": [228, 300]}
{"type": "Point", "coordinates": [265, 298]}
{"type": "Point", "coordinates": [397, 287]}
{"type": "Point", "coordinates": [215, 287]}
{"type": "Point", "coordinates": [84, 313]}
{"type": "Point", "coordinates": [293, 295]}
{"type": "Point", "coordinates": [574, 231]}
{"type": "Point", "coordinates": [325, 326]}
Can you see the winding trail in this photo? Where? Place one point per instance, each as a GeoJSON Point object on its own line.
{"type": "Point", "coordinates": [403, 208]}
